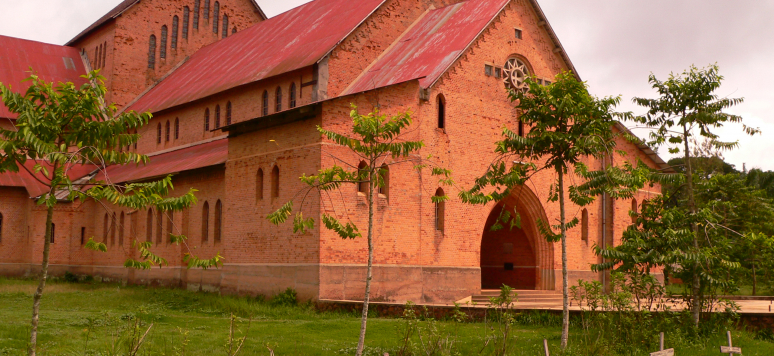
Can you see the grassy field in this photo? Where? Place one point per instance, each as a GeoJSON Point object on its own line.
{"type": "Point", "coordinates": [86, 319]}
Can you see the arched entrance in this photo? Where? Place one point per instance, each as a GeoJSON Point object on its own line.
{"type": "Point", "coordinates": [516, 256]}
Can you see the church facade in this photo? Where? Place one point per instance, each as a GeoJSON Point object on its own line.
{"type": "Point", "coordinates": [236, 99]}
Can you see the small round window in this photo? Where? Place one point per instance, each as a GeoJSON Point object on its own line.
{"type": "Point", "coordinates": [515, 71]}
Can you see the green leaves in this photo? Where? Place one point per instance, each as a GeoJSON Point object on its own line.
{"type": "Point", "coordinates": [282, 214]}
{"type": "Point", "coordinates": [95, 246]}
{"type": "Point", "coordinates": [345, 231]}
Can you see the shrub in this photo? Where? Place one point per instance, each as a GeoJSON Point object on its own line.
{"type": "Point", "coordinates": [70, 278]}
{"type": "Point", "coordinates": [287, 298]}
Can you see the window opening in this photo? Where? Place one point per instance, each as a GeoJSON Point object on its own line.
{"type": "Point", "coordinates": [275, 182]}
{"type": "Point", "coordinates": [197, 7]}
{"type": "Point", "coordinates": [53, 232]}
{"type": "Point", "coordinates": [104, 55]}
{"type": "Point", "coordinates": [113, 229]}
{"type": "Point", "coordinates": [278, 106]}
{"type": "Point", "coordinates": [159, 226]}
{"type": "Point", "coordinates": [585, 225]}
{"type": "Point", "coordinates": [149, 226]}
{"type": "Point", "coordinates": [259, 185]}
{"type": "Point", "coordinates": [634, 211]}
{"type": "Point", "coordinates": [488, 70]}
{"type": "Point", "coordinates": [166, 133]}
{"type": "Point", "coordinates": [105, 229]}
{"type": "Point", "coordinates": [225, 26]}
{"type": "Point", "coordinates": [206, 9]}
{"type": "Point", "coordinates": [440, 210]}
{"type": "Point", "coordinates": [228, 113]}
{"type": "Point", "coordinates": [217, 116]}
{"type": "Point", "coordinates": [177, 128]}
{"type": "Point", "coordinates": [384, 173]}
{"type": "Point", "coordinates": [158, 133]}
{"type": "Point", "coordinates": [498, 72]}
{"type": "Point", "coordinates": [205, 222]}
{"type": "Point", "coordinates": [163, 51]}
{"type": "Point", "coordinates": [215, 16]}
{"type": "Point", "coordinates": [175, 24]}
{"type": "Point", "coordinates": [514, 73]}
{"type": "Point", "coordinates": [233, 30]}
{"type": "Point", "coordinates": [121, 230]}
{"type": "Point", "coordinates": [170, 223]}
{"type": "Point", "coordinates": [83, 235]}
{"type": "Point", "coordinates": [292, 95]}
{"type": "Point", "coordinates": [186, 19]}
{"type": "Point", "coordinates": [362, 184]}
{"type": "Point", "coordinates": [518, 33]}
{"type": "Point", "coordinates": [218, 221]}
{"type": "Point", "coordinates": [206, 119]}
{"type": "Point", "coordinates": [265, 108]}
{"type": "Point", "coordinates": [441, 111]}
{"type": "Point", "coordinates": [152, 52]}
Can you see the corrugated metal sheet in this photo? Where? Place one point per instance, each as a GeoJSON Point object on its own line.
{"type": "Point", "coordinates": [292, 40]}
{"type": "Point", "coordinates": [184, 159]}
{"type": "Point", "coordinates": [53, 63]}
{"type": "Point", "coordinates": [432, 44]}
{"type": "Point", "coordinates": [23, 179]}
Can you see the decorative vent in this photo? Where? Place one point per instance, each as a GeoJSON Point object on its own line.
{"type": "Point", "coordinates": [514, 72]}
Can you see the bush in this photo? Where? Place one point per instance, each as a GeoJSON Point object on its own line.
{"type": "Point", "coordinates": [70, 278]}
{"type": "Point", "coordinates": [286, 298]}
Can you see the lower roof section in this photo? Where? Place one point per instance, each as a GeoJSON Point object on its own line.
{"type": "Point", "coordinates": [35, 184]}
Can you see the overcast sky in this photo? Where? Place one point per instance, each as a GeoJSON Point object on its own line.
{"type": "Point", "coordinates": [614, 44]}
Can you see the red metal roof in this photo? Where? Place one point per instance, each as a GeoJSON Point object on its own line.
{"type": "Point", "coordinates": [24, 179]}
{"type": "Point", "coordinates": [292, 40]}
{"type": "Point", "coordinates": [53, 63]}
{"type": "Point", "coordinates": [430, 46]}
{"type": "Point", "coordinates": [179, 160]}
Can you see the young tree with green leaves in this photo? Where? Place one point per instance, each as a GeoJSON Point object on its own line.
{"type": "Point", "coordinates": [567, 125]}
{"type": "Point", "coordinates": [375, 139]}
{"type": "Point", "coordinates": [60, 126]}
{"type": "Point", "coordinates": [687, 106]}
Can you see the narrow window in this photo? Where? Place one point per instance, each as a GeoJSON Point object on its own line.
{"type": "Point", "coordinates": [206, 119]}
{"type": "Point", "coordinates": [362, 184]}
{"type": "Point", "coordinates": [163, 51]}
{"type": "Point", "coordinates": [158, 133]}
{"type": "Point", "coordinates": [259, 185]}
{"type": "Point", "coordinates": [149, 226]}
{"type": "Point", "coordinates": [207, 10]}
{"type": "Point", "coordinates": [177, 128]}
{"type": "Point", "coordinates": [53, 232]}
{"type": "Point", "coordinates": [265, 108]}
{"type": "Point", "coordinates": [518, 33]}
{"type": "Point", "coordinates": [488, 70]}
{"type": "Point", "coordinates": [233, 30]}
{"type": "Point", "coordinates": [135, 142]}
{"type": "Point", "coordinates": [225, 26]}
{"type": "Point", "coordinates": [215, 17]}
{"type": "Point", "coordinates": [384, 186]}
{"type": "Point", "coordinates": [278, 94]}
{"type": "Point", "coordinates": [218, 219]}
{"type": "Point", "coordinates": [585, 225]}
{"type": "Point", "coordinates": [205, 222]}
{"type": "Point", "coordinates": [197, 6]}
{"type": "Point", "coordinates": [228, 113]}
{"type": "Point", "coordinates": [159, 226]}
{"type": "Point", "coordinates": [521, 128]}
{"type": "Point", "coordinates": [498, 73]}
{"type": "Point", "coordinates": [121, 230]}
{"type": "Point", "coordinates": [441, 101]}
{"type": "Point", "coordinates": [104, 54]}
{"type": "Point", "coordinates": [166, 133]}
{"type": "Point", "coordinates": [275, 182]}
{"type": "Point", "coordinates": [83, 235]}
{"type": "Point", "coordinates": [170, 223]}
{"type": "Point", "coordinates": [105, 229]}
{"type": "Point", "coordinates": [217, 116]}
{"type": "Point", "coordinates": [95, 63]}
{"type": "Point", "coordinates": [1, 229]}
{"type": "Point", "coordinates": [175, 25]}
{"type": "Point", "coordinates": [186, 19]}
{"type": "Point", "coordinates": [292, 95]}
{"type": "Point", "coordinates": [152, 52]}
{"type": "Point", "coordinates": [113, 229]}
{"type": "Point", "coordinates": [634, 211]}
{"type": "Point", "coordinates": [440, 210]}
{"type": "Point", "coordinates": [99, 56]}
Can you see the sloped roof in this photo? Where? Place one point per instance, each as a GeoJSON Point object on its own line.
{"type": "Point", "coordinates": [430, 46]}
{"type": "Point", "coordinates": [52, 63]}
{"type": "Point", "coordinates": [177, 160]}
{"type": "Point", "coordinates": [292, 40]}
{"type": "Point", "coordinates": [119, 9]}
{"type": "Point", "coordinates": [23, 179]}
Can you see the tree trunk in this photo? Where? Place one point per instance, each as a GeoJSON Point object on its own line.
{"type": "Point", "coordinates": [364, 318]}
{"type": "Point", "coordinates": [565, 301]}
{"type": "Point", "coordinates": [42, 284]}
{"type": "Point", "coordinates": [696, 287]}
{"type": "Point", "coordinates": [753, 275]}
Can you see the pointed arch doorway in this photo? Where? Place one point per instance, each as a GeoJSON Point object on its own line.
{"type": "Point", "coordinates": [516, 256]}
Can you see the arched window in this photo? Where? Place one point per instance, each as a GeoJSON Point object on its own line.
{"type": "Point", "coordinates": [441, 111]}
{"type": "Point", "coordinates": [177, 128]}
{"type": "Point", "coordinates": [1, 228]}
{"type": "Point", "coordinates": [163, 51]}
{"type": "Point", "coordinates": [362, 185]}
{"type": "Point", "coordinates": [228, 113]}
{"type": "Point", "coordinates": [104, 54]}
{"type": "Point", "coordinates": [186, 19]}
{"type": "Point", "coordinates": [521, 129]}
{"type": "Point", "coordinates": [206, 119]}
{"type": "Point", "coordinates": [95, 62]}
{"type": "Point", "coordinates": [217, 116]}
{"type": "Point", "coordinates": [275, 182]}
{"type": "Point", "coordinates": [197, 6]}
{"type": "Point", "coordinates": [159, 226]}
{"type": "Point", "coordinates": [99, 56]}
{"type": "Point", "coordinates": [233, 30]}
{"type": "Point", "coordinates": [121, 230]}
{"type": "Point", "coordinates": [292, 95]}
{"type": "Point", "coordinates": [225, 26]}
{"type": "Point", "coordinates": [384, 187]}
{"type": "Point", "coordinates": [53, 232]}
{"type": "Point", "coordinates": [105, 229]}
{"type": "Point", "coordinates": [205, 222]}
{"type": "Point", "coordinates": [149, 226]}
{"type": "Point", "coordinates": [218, 220]}
{"type": "Point", "coordinates": [207, 9]}
{"type": "Point", "coordinates": [158, 133]}
{"type": "Point", "coordinates": [175, 24]}
{"type": "Point", "coordinates": [170, 224]}
{"type": "Point", "coordinates": [259, 185]}
{"type": "Point", "coordinates": [152, 52]}
{"type": "Point", "coordinates": [634, 211]}
{"type": "Point", "coordinates": [166, 133]}
{"type": "Point", "coordinates": [215, 17]}
{"type": "Point", "coordinates": [135, 142]}
{"type": "Point", "coordinates": [265, 103]}
{"type": "Point", "coordinates": [440, 210]}
{"type": "Point", "coordinates": [113, 229]}
{"type": "Point", "coordinates": [585, 225]}
{"type": "Point", "coordinates": [278, 94]}
{"type": "Point", "coordinates": [83, 235]}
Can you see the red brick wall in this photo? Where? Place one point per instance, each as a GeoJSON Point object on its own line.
{"type": "Point", "coordinates": [14, 206]}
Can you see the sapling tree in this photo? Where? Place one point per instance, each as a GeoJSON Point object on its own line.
{"type": "Point", "coordinates": [567, 126]}
{"type": "Point", "coordinates": [61, 126]}
{"type": "Point", "coordinates": [375, 138]}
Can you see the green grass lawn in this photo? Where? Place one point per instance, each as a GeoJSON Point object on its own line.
{"type": "Point", "coordinates": [70, 312]}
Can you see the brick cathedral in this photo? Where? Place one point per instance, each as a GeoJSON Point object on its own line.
{"type": "Point", "coordinates": [236, 97]}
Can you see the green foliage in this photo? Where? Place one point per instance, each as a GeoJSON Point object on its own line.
{"type": "Point", "coordinates": [70, 277]}
{"type": "Point", "coordinates": [345, 231]}
{"type": "Point", "coordinates": [95, 246]}
{"type": "Point", "coordinates": [287, 298]}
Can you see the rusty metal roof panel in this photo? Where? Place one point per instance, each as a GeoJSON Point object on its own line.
{"type": "Point", "coordinates": [430, 46]}
{"type": "Point", "coordinates": [23, 179]}
{"type": "Point", "coordinates": [187, 158]}
{"type": "Point", "coordinates": [292, 40]}
{"type": "Point", "coordinates": [51, 62]}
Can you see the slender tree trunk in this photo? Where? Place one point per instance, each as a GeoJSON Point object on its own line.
{"type": "Point", "coordinates": [753, 275]}
{"type": "Point", "coordinates": [369, 275]}
{"type": "Point", "coordinates": [42, 284]}
{"type": "Point", "coordinates": [565, 301]}
{"type": "Point", "coordinates": [696, 288]}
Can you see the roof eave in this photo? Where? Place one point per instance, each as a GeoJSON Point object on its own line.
{"type": "Point", "coordinates": [555, 38]}
{"type": "Point", "coordinates": [662, 165]}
